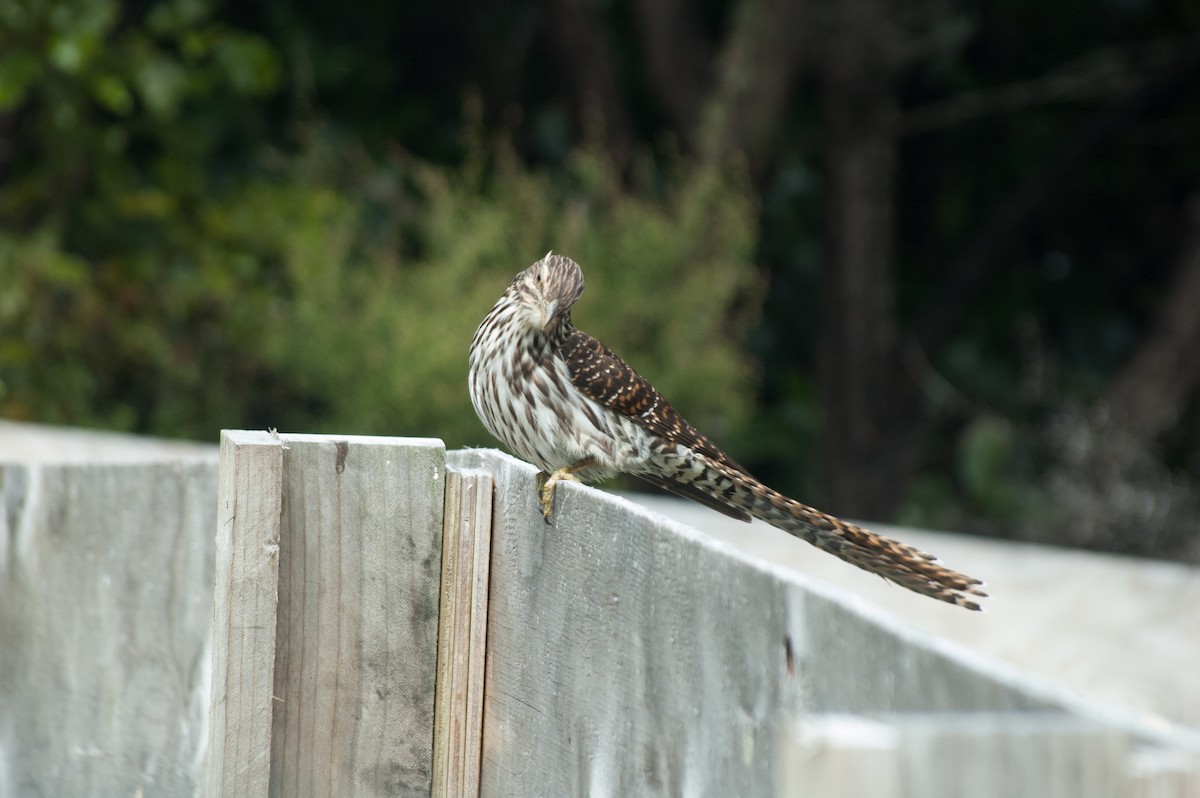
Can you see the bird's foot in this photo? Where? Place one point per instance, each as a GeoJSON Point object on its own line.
{"type": "Point", "coordinates": [546, 496]}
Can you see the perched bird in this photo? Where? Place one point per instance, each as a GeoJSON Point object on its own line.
{"type": "Point", "coordinates": [564, 401]}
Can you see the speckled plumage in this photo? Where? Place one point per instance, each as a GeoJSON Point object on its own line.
{"type": "Point", "coordinates": [564, 401]}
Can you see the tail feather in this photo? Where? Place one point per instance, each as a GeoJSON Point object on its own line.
{"type": "Point", "coordinates": [895, 561]}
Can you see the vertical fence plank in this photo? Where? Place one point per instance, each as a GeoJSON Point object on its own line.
{"type": "Point", "coordinates": [447, 775]}
{"type": "Point", "coordinates": [481, 551]}
{"type": "Point", "coordinates": [356, 640]}
{"type": "Point", "coordinates": [466, 553]}
{"type": "Point", "coordinates": [247, 577]}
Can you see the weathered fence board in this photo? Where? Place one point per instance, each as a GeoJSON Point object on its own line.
{"type": "Point", "coordinates": [626, 655]}
{"type": "Point", "coordinates": [855, 663]}
{"type": "Point", "coordinates": [631, 656]}
{"type": "Point", "coordinates": [247, 582]}
{"type": "Point", "coordinates": [466, 553]}
{"type": "Point", "coordinates": [106, 575]}
{"type": "Point", "coordinates": [331, 559]}
{"type": "Point", "coordinates": [359, 567]}
{"type": "Point", "coordinates": [635, 656]}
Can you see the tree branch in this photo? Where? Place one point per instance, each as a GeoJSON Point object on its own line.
{"type": "Point", "coordinates": [868, 437]}
{"type": "Point", "coordinates": [1112, 72]}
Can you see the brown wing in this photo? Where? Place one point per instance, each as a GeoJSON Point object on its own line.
{"type": "Point", "coordinates": [600, 374]}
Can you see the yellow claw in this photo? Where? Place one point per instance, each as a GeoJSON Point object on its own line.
{"type": "Point", "coordinates": [546, 499]}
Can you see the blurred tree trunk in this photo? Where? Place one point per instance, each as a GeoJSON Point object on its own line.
{"type": "Point", "coordinates": [869, 446]}
{"type": "Point", "coordinates": [730, 105]}
{"type": "Point", "coordinates": [1150, 394]}
{"type": "Point", "coordinates": [756, 70]}
{"type": "Point", "coordinates": [678, 59]}
{"type": "Point", "coordinates": [582, 47]}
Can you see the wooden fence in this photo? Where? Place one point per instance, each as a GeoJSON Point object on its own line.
{"type": "Point", "coordinates": [392, 619]}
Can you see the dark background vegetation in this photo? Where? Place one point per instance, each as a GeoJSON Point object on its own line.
{"type": "Point", "coordinates": [935, 262]}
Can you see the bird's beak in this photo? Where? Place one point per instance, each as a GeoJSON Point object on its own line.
{"type": "Point", "coordinates": [549, 311]}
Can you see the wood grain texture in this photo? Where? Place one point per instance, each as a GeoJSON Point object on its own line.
{"type": "Point", "coordinates": [246, 591]}
{"type": "Point", "coordinates": [1118, 630]}
{"type": "Point", "coordinates": [360, 563]}
{"type": "Point", "coordinates": [463, 633]}
{"type": "Point", "coordinates": [448, 717]}
{"type": "Point", "coordinates": [626, 655]}
{"type": "Point", "coordinates": [479, 495]}
{"type": "Point", "coordinates": [106, 574]}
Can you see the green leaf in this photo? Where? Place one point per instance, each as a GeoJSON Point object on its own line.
{"type": "Point", "coordinates": [112, 93]}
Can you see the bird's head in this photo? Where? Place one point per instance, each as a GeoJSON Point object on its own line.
{"type": "Point", "coordinates": [546, 291]}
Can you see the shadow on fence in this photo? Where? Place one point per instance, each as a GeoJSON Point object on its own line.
{"type": "Point", "coordinates": [392, 619]}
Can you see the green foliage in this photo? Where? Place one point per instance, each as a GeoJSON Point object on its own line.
{"type": "Point", "coordinates": [376, 334]}
{"type": "Point", "coordinates": [111, 107]}
{"type": "Point", "coordinates": [988, 477]}
{"type": "Point", "coordinates": [985, 450]}
{"type": "Point", "coordinates": [340, 294]}
{"type": "Point", "coordinates": [115, 122]}
{"type": "Point", "coordinates": [157, 274]}
{"type": "Point", "coordinates": [218, 215]}
{"type": "Point", "coordinates": [476, 226]}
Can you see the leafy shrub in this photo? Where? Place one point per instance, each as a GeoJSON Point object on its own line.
{"type": "Point", "coordinates": [333, 293]}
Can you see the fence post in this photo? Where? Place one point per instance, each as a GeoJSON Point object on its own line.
{"type": "Point", "coordinates": [352, 674]}
{"type": "Point", "coordinates": [466, 553]}
{"type": "Point", "coordinates": [246, 590]}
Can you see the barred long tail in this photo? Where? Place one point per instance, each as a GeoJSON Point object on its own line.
{"type": "Point", "coordinates": [891, 559]}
